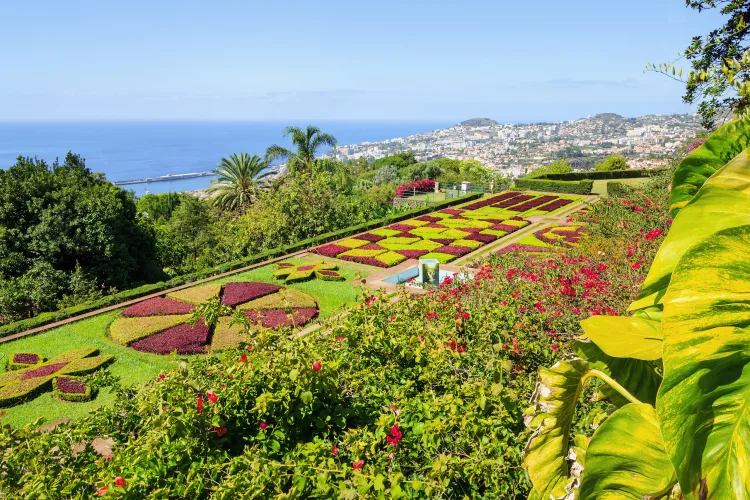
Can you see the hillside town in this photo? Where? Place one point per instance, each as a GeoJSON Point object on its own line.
{"type": "Point", "coordinates": [514, 149]}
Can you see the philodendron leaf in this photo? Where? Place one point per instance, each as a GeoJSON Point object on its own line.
{"type": "Point", "coordinates": [720, 148]}
{"type": "Point", "coordinates": [637, 376]}
{"type": "Point", "coordinates": [626, 458]}
{"type": "Point", "coordinates": [704, 402]}
{"type": "Point", "coordinates": [555, 399]}
{"type": "Point", "coordinates": [722, 202]}
{"type": "Point", "coordinates": [625, 337]}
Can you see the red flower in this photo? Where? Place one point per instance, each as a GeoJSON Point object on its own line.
{"type": "Point", "coordinates": [630, 251]}
{"type": "Point", "coordinates": [317, 366]}
{"type": "Point", "coordinates": [102, 491]}
{"type": "Point", "coordinates": [220, 431]}
{"type": "Point", "coordinates": [243, 358]}
{"type": "Point", "coordinates": [636, 265]}
{"type": "Point", "coordinates": [358, 464]}
{"type": "Point", "coordinates": [334, 451]}
{"type": "Point", "coordinates": [212, 397]}
{"type": "Point", "coordinates": [555, 347]}
{"type": "Point", "coordinates": [453, 345]}
{"type": "Point", "coordinates": [263, 426]}
{"type": "Point", "coordinates": [120, 482]}
{"type": "Point", "coordinates": [161, 377]}
{"type": "Point", "coordinates": [249, 348]}
{"type": "Point", "coordinates": [370, 300]}
{"type": "Point", "coordinates": [199, 405]}
{"type": "Point", "coordinates": [340, 338]}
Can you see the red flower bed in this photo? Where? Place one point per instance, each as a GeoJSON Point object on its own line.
{"type": "Point", "coordinates": [505, 227]}
{"type": "Point", "coordinates": [413, 254]}
{"type": "Point", "coordinates": [549, 207]}
{"type": "Point", "coordinates": [428, 218]}
{"type": "Point", "coordinates": [513, 201]}
{"type": "Point", "coordinates": [459, 217]}
{"type": "Point", "coordinates": [370, 261]}
{"type": "Point", "coordinates": [400, 227]}
{"type": "Point", "coordinates": [436, 225]}
{"type": "Point", "coordinates": [157, 306]}
{"type": "Point", "coordinates": [517, 217]}
{"type": "Point", "coordinates": [237, 293]}
{"type": "Point", "coordinates": [68, 385]}
{"type": "Point", "coordinates": [370, 237]}
{"type": "Point", "coordinates": [532, 203]}
{"type": "Point", "coordinates": [181, 338]}
{"type": "Point", "coordinates": [451, 211]}
{"type": "Point", "coordinates": [26, 359]}
{"type": "Point", "coordinates": [443, 241]}
{"type": "Point", "coordinates": [515, 247]}
{"type": "Point", "coordinates": [43, 371]}
{"type": "Point", "coordinates": [491, 200]}
{"type": "Point", "coordinates": [328, 273]}
{"type": "Point", "coordinates": [484, 238]}
{"type": "Point", "coordinates": [331, 250]}
{"type": "Point", "coordinates": [454, 250]}
{"type": "Point", "coordinates": [305, 268]}
{"type": "Point", "coordinates": [470, 229]}
{"type": "Point", "coordinates": [421, 186]}
{"type": "Point", "coordinates": [371, 246]}
{"type": "Point", "coordinates": [278, 318]}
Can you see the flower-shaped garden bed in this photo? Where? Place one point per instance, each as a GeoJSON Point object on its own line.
{"type": "Point", "coordinates": [161, 325]}
{"type": "Point", "coordinates": [292, 273]}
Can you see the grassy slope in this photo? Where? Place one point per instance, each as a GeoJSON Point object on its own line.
{"type": "Point", "coordinates": [135, 367]}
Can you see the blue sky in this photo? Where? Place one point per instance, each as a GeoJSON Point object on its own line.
{"type": "Point", "coordinates": [387, 60]}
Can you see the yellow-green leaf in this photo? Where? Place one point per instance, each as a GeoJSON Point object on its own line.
{"type": "Point", "coordinates": [625, 337]}
{"type": "Point", "coordinates": [626, 459]}
{"type": "Point", "coordinates": [704, 401]}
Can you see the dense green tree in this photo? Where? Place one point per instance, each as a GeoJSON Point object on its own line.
{"type": "Point", "coordinates": [60, 215]}
{"type": "Point", "coordinates": [398, 160]}
{"type": "Point", "coordinates": [186, 236]}
{"type": "Point", "coordinates": [306, 142]}
{"type": "Point", "coordinates": [719, 74]}
{"type": "Point", "coordinates": [614, 162]}
{"type": "Point", "coordinates": [159, 206]}
{"type": "Point", "coordinates": [557, 167]}
{"type": "Point", "coordinates": [386, 175]}
{"type": "Point", "coordinates": [240, 178]}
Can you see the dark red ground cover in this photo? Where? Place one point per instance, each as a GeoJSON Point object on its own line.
{"type": "Point", "coordinates": [26, 358]}
{"type": "Point", "coordinates": [237, 293]}
{"type": "Point", "coordinates": [436, 225]}
{"type": "Point", "coordinates": [371, 246]}
{"type": "Point", "coordinates": [454, 250]}
{"type": "Point", "coordinates": [515, 247]}
{"type": "Point", "coordinates": [428, 218]}
{"type": "Point", "coordinates": [370, 261]}
{"type": "Point", "coordinates": [404, 235]}
{"type": "Point", "coordinates": [413, 254]}
{"type": "Point", "coordinates": [68, 385]}
{"type": "Point", "coordinates": [400, 227]}
{"type": "Point", "coordinates": [504, 227]}
{"type": "Point", "coordinates": [370, 237]}
{"type": "Point", "coordinates": [470, 229]}
{"type": "Point", "coordinates": [484, 238]}
{"type": "Point", "coordinates": [517, 217]}
{"type": "Point", "coordinates": [328, 273]}
{"type": "Point", "coordinates": [277, 318]}
{"type": "Point", "coordinates": [536, 202]}
{"type": "Point", "coordinates": [43, 371]}
{"type": "Point", "coordinates": [513, 201]}
{"type": "Point", "coordinates": [549, 207]}
{"type": "Point", "coordinates": [158, 306]}
{"type": "Point", "coordinates": [181, 338]}
{"type": "Point", "coordinates": [305, 268]}
{"type": "Point", "coordinates": [331, 250]}
{"type": "Point", "coordinates": [451, 211]}
{"type": "Point", "coordinates": [443, 241]}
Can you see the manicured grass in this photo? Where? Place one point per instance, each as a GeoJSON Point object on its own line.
{"type": "Point", "coordinates": [134, 367]}
{"type": "Point", "coordinates": [600, 186]}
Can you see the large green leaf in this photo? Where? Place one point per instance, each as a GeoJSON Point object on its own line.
{"type": "Point", "coordinates": [638, 377]}
{"type": "Point", "coordinates": [719, 149]}
{"type": "Point", "coordinates": [555, 401]}
{"type": "Point", "coordinates": [625, 337]}
{"type": "Point", "coordinates": [704, 402]}
{"type": "Point", "coordinates": [626, 458]}
{"type": "Point", "coordinates": [722, 202]}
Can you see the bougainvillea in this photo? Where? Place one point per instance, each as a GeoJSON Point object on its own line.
{"type": "Point", "coordinates": [415, 187]}
{"type": "Point", "coordinates": [18, 385]}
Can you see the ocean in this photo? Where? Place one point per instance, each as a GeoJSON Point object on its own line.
{"type": "Point", "coordinates": [137, 150]}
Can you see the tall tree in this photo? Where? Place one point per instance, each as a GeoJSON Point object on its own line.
{"type": "Point", "coordinates": [307, 143]}
{"type": "Point", "coordinates": [719, 75]}
{"type": "Point", "coordinates": [240, 180]}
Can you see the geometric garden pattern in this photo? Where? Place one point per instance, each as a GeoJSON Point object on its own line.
{"type": "Point", "coordinates": [447, 234]}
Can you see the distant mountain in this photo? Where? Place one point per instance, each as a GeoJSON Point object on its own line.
{"type": "Point", "coordinates": [478, 122]}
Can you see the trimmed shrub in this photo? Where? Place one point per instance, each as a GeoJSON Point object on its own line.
{"type": "Point", "coordinates": [491, 232]}
{"type": "Point", "coordinates": [617, 189]}
{"type": "Point", "coordinates": [428, 231]}
{"type": "Point", "coordinates": [71, 389]}
{"type": "Point", "coordinates": [237, 293]}
{"type": "Point", "coordinates": [385, 232]}
{"type": "Point", "coordinates": [613, 174]}
{"type": "Point", "coordinates": [443, 258]}
{"type": "Point", "coordinates": [468, 242]}
{"type": "Point", "coordinates": [454, 234]}
{"type": "Point", "coordinates": [352, 243]}
{"type": "Point", "coordinates": [456, 251]}
{"type": "Point", "coordinates": [331, 250]}
{"type": "Point", "coordinates": [127, 330]}
{"type": "Point", "coordinates": [371, 237]}
{"type": "Point", "coordinates": [429, 245]}
{"type": "Point", "coordinates": [559, 203]}
{"type": "Point", "coordinates": [482, 237]}
{"type": "Point", "coordinates": [413, 254]}
{"type": "Point", "coordinates": [391, 259]}
{"type": "Point", "coordinates": [23, 360]}
{"type": "Point", "coordinates": [226, 336]}
{"type": "Point", "coordinates": [158, 306]}
{"type": "Point", "coordinates": [572, 187]}
{"type": "Point", "coordinates": [397, 243]}
{"type": "Point", "coordinates": [326, 275]}
{"type": "Point", "coordinates": [196, 295]}
{"type": "Point", "coordinates": [361, 253]}
{"type": "Point", "coordinates": [292, 274]}
{"type": "Point", "coordinates": [402, 228]}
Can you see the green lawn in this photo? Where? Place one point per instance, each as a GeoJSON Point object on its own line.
{"type": "Point", "coordinates": [134, 367]}
{"type": "Point", "coordinates": [600, 186]}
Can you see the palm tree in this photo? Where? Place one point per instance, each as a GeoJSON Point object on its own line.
{"type": "Point", "coordinates": [307, 143]}
{"type": "Point", "coordinates": [240, 181]}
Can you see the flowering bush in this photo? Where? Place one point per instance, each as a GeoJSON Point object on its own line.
{"type": "Point", "coordinates": [421, 186]}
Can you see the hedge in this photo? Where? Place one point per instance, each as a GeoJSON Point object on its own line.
{"type": "Point", "coordinates": [570, 187]}
{"type": "Point", "coordinates": [134, 293]}
{"type": "Point", "coordinates": [614, 174]}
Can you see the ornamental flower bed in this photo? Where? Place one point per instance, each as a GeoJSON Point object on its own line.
{"type": "Point", "coordinates": [172, 332]}
{"type": "Point", "coordinates": [407, 239]}
{"type": "Point", "coordinates": [551, 207]}
{"type": "Point", "coordinates": [158, 306]}
{"type": "Point", "coordinates": [24, 360]}
{"type": "Point", "coordinates": [291, 273]}
{"type": "Point", "coordinates": [19, 385]}
{"type": "Point", "coordinates": [533, 203]}
{"type": "Point", "coordinates": [71, 389]}
{"type": "Point", "coordinates": [516, 248]}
